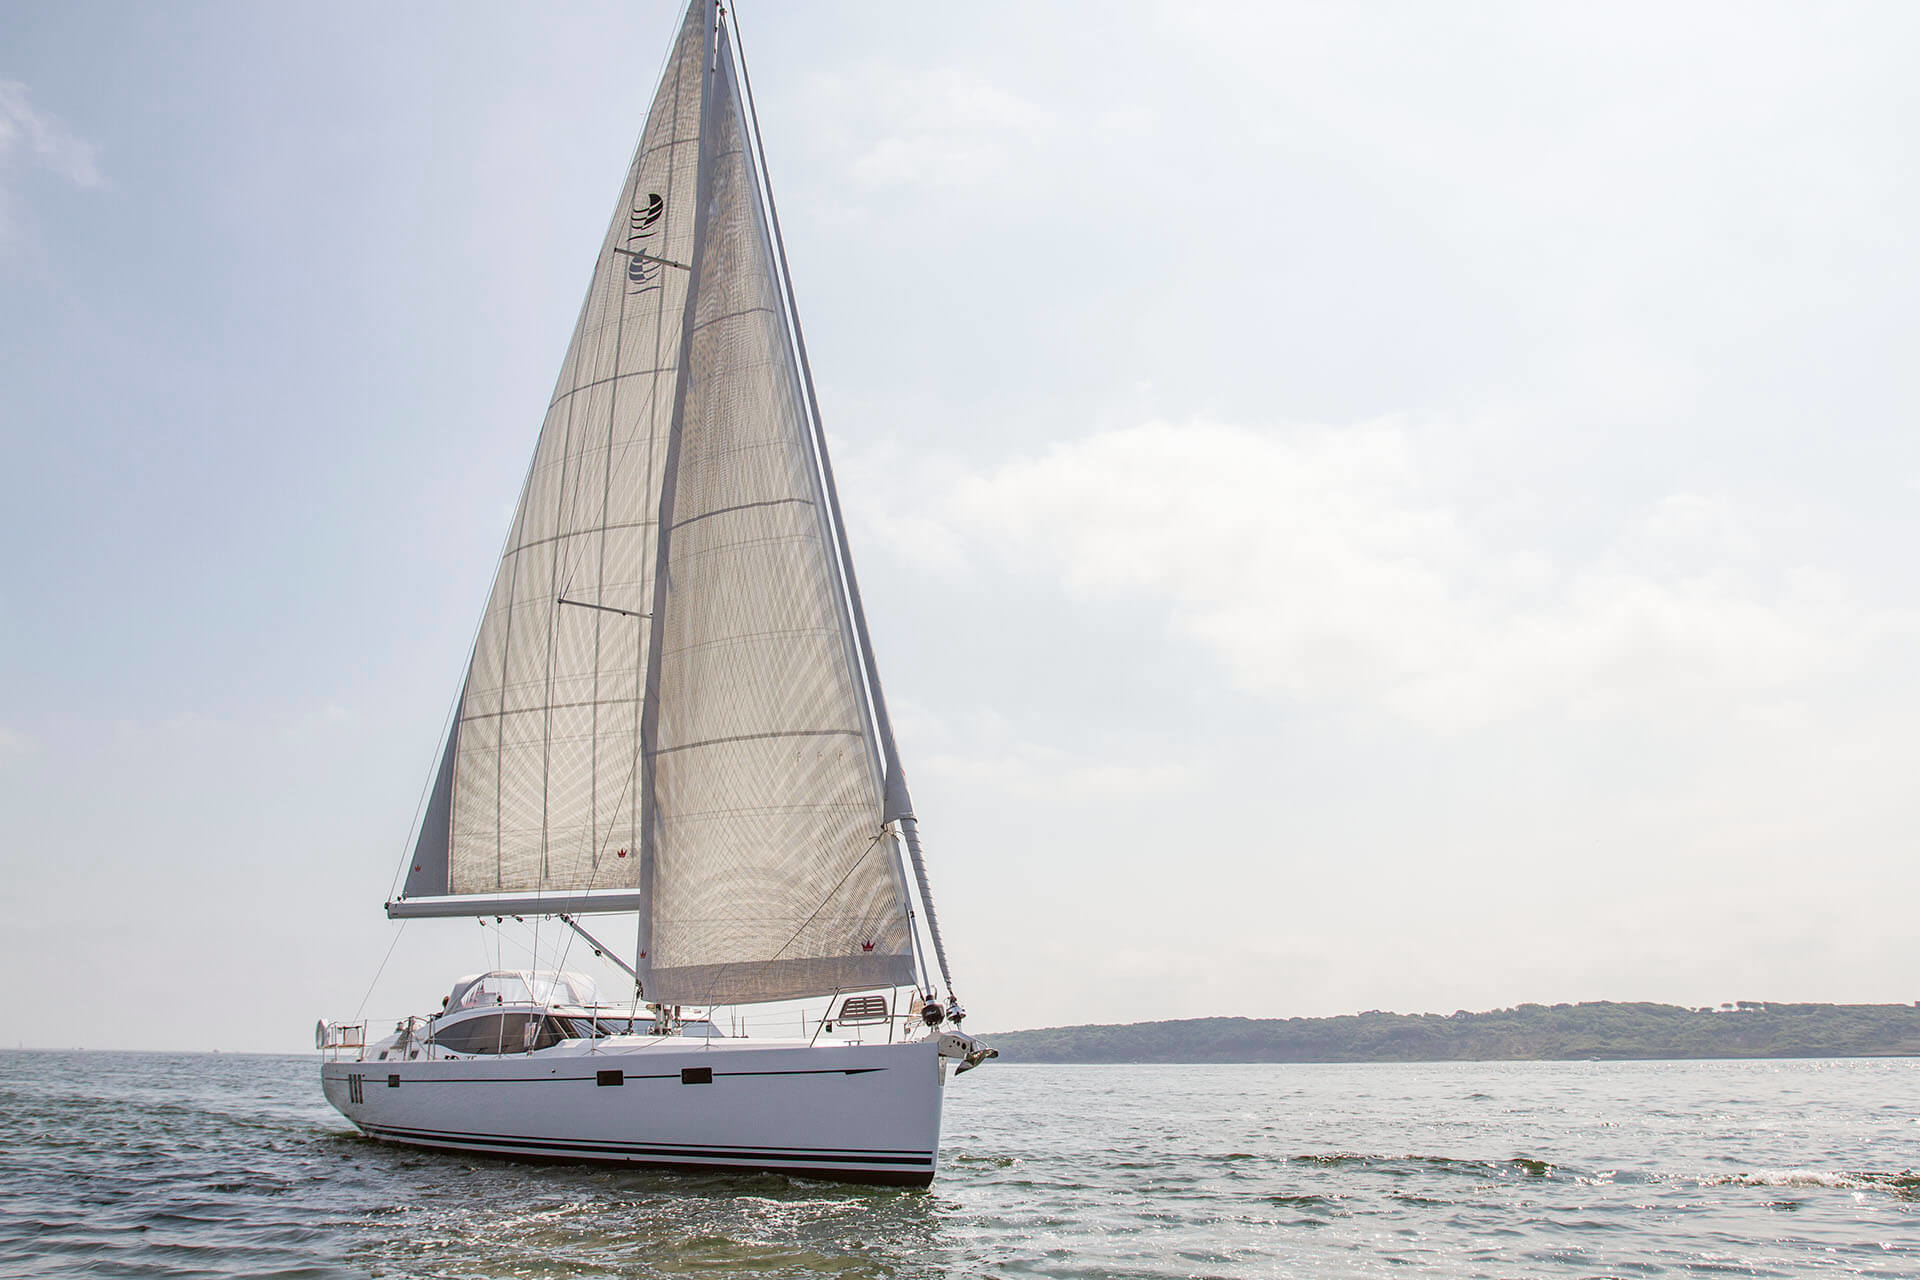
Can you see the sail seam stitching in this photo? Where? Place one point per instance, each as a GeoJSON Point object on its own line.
{"type": "Point", "coordinates": [733, 315]}
{"type": "Point", "coordinates": [601, 382]}
{"type": "Point", "coordinates": [744, 506]}
{"type": "Point", "coordinates": [756, 737]}
{"type": "Point", "coordinates": [581, 533]}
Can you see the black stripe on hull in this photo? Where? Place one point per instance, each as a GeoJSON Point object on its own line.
{"type": "Point", "coordinates": [910, 1169]}
{"type": "Point", "coordinates": [379, 1068]}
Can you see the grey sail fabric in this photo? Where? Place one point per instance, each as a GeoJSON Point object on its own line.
{"type": "Point", "coordinates": [773, 876]}
{"type": "Point", "coordinates": [427, 873]}
{"type": "Point", "coordinates": [546, 777]}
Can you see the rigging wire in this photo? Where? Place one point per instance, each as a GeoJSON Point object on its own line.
{"type": "Point", "coordinates": [831, 894]}
{"type": "Point", "coordinates": [382, 969]}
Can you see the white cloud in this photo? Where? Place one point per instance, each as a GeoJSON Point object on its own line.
{"type": "Point", "coordinates": [40, 139]}
{"type": "Point", "coordinates": [1323, 563]}
{"type": "Point", "coordinates": [321, 722]}
{"type": "Point", "coordinates": [13, 743]}
{"type": "Point", "coordinates": [949, 128]}
{"type": "Point", "coordinates": [43, 138]}
{"type": "Point", "coordinates": [982, 753]}
{"type": "Point", "coordinates": [1033, 771]}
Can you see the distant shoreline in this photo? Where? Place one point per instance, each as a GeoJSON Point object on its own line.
{"type": "Point", "coordinates": [1604, 1030]}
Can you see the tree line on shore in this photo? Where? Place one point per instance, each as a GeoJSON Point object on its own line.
{"type": "Point", "coordinates": [1595, 1030]}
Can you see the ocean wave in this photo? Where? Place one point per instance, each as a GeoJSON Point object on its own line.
{"type": "Point", "coordinates": [1400, 1166]}
{"type": "Point", "coordinates": [1904, 1185]}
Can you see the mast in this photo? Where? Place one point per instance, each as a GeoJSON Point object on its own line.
{"type": "Point", "coordinates": [650, 701]}
{"type": "Point", "coordinates": [896, 800]}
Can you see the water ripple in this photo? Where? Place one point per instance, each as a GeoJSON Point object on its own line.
{"type": "Point", "coordinates": [130, 1165]}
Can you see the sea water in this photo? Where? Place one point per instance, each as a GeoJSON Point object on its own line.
{"type": "Point", "coordinates": [143, 1165]}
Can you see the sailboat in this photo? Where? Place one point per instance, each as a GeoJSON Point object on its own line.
{"type": "Point", "coordinates": [672, 710]}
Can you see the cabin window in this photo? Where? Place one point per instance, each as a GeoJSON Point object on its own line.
{"type": "Point", "coordinates": [598, 1027]}
{"type": "Point", "coordinates": [501, 1033]}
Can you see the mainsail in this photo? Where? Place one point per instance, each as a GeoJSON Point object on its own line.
{"type": "Point", "coordinates": [664, 710]}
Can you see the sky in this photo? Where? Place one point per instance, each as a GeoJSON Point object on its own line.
{"type": "Point", "coordinates": [1394, 506]}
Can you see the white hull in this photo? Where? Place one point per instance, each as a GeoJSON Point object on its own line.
{"type": "Point", "coordinates": [863, 1113]}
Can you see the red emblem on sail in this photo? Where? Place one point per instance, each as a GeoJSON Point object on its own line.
{"type": "Point", "coordinates": [866, 946]}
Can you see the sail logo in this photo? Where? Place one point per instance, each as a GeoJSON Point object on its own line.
{"type": "Point", "coordinates": [643, 271]}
